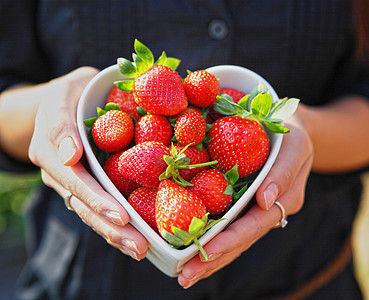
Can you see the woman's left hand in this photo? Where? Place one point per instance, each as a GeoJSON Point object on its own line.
{"type": "Point", "coordinates": [285, 183]}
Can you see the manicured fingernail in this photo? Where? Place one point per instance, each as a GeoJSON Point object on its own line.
{"type": "Point", "coordinates": [131, 245]}
{"type": "Point", "coordinates": [196, 276]}
{"type": "Point", "coordinates": [131, 253]}
{"type": "Point", "coordinates": [67, 149]}
{"type": "Point", "coordinates": [270, 195]}
{"type": "Point", "coordinates": [114, 217]}
{"type": "Point", "coordinates": [213, 257]}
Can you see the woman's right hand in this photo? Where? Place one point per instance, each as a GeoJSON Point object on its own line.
{"type": "Point", "coordinates": [57, 149]}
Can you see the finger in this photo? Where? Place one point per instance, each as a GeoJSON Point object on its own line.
{"type": "Point", "coordinates": [61, 120]}
{"type": "Point", "coordinates": [229, 244]}
{"type": "Point", "coordinates": [296, 151]}
{"type": "Point", "coordinates": [126, 238]}
{"type": "Point", "coordinates": [77, 181]}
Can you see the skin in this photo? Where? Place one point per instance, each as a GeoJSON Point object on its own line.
{"type": "Point", "coordinates": [325, 139]}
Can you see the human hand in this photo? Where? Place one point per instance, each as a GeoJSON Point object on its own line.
{"type": "Point", "coordinates": [57, 149]}
{"type": "Point", "coordinates": [285, 183]}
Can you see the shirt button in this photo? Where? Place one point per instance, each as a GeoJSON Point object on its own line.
{"type": "Point", "coordinates": [218, 29]}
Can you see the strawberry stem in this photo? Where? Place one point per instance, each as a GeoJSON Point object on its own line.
{"type": "Point", "coordinates": [196, 241]}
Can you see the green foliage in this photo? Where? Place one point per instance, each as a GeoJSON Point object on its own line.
{"type": "Point", "coordinates": [13, 193]}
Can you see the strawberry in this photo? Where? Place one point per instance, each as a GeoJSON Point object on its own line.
{"type": "Point", "coordinates": [190, 128]}
{"type": "Point", "coordinates": [236, 140]}
{"type": "Point", "coordinates": [240, 137]}
{"type": "Point", "coordinates": [180, 215]}
{"type": "Point", "coordinates": [160, 91]}
{"type": "Point", "coordinates": [153, 128]}
{"type": "Point", "coordinates": [211, 186]}
{"type": "Point", "coordinates": [112, 131]}
{"type": "Point", "coordinates": [125, 100]}
{"type": "Point", "coordinates": [201, 88]}
{"type": "Point", "coordinates": [143, 202]}
{"type": "Point", "coordinates": [123, 184]}
{"type": "Point", "coordinates": [144, 163]}
{"type": "Point", "coordinates": [156, 86]}
{"type": "Point", "coordinates": [196, 156]}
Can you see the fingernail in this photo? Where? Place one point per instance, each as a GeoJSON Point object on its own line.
{"type": "Point", "coordinates": [114, 217]}
{"type": "Point", "coordinates": [270, 195]}
{"type": "Point", "coordinates": [130, 245]}
{"type": "Point", "coordinates": [130, 253]}
{"type": "Point", "coordinates": [66, 150]}
{"type": "Point", "coordinates": [196, 276]}
{"type": "Point", "coordinates": [212, 257]}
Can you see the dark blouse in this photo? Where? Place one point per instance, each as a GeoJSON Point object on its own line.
{"type": "Point", "coordinates": [303, 48]}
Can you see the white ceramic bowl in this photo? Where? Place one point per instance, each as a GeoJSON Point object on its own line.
{"type": "Point", "coordinates": [167, 259]}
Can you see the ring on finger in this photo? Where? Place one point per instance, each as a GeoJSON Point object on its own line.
{"type": "Point", "coordinates": [283, 221]}
{"type": "Point", "coordinates": [67, 202]}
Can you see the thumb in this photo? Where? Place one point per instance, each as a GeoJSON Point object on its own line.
{"type": "Point", "coordinates": [69, 144]}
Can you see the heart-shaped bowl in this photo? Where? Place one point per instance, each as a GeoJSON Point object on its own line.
{"type": "Point", "coordinates": [166, 258]}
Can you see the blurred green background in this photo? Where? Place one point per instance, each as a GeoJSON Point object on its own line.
{"type": "Point", "coordinates": [14, 190]}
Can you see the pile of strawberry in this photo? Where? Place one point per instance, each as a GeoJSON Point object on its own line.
{"type": "Point", "coordinates": [182, 149]}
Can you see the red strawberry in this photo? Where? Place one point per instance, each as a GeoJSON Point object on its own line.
{"type": "Point", "coordinates": [143, 202]}
{"type": "Point", "coordinates": [113, 131]}
{"type": "Point", "coordinates": [125, 100]}
{"type": "Point", "coordinates": [180, 215]}
{"type": "Point", "coordinates": [123, 184]}
{"type": "Point", "coordinates": [240, 138]}
{"type": "Point", "coordinates": [160, 91]}
{"type": "Point", "coordinates": [196, 156]}
{"type": "Point", "coordinates": [192, 109]}
{"type": "Point", "coordinates": [190, 128]}
{"type": "Point", "coordinates": [210, 186]}
{"type": "Point", "coordinates": [241, 141]}
{"type": "Point", "coordinates": [144, 163]}
{"type": "Point", "coordinates": [153, 128]}
{"type": "Point", "coordinates": [176, 206]}
{"type": "Point", "coordinates": [156, 86]}
{"type": "Point", "coordinates": [201, 88]}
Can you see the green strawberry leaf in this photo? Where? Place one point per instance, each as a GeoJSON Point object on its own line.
{"type": "Point", "coordinates": [141, 66]}
{"type": "Point", "coordinates": [244, 101]}
{"type": "Point", "coordinates": [284, 109]}
{"type": "Point", "coordinates": [168, 159]}
{"type": "Point", "coordinates": [144, 53]}
{"type": "Point", "coordinates": [261, 104]}
{"type": "Point", "coordinates": [257, 89]}
{"type": "Point", "coordinates": [239, 194]}
{"type": "Point", "coordinates": [232, 175]}
{"type": "Point", "coordinates": [172, 62]}
{"type": "Point", "coordinates": [90, 122]}
{"type": "Point", "coordinates": [97, 151]}
{"type": "Point", "coordinates": [275, 127]}
{"type": "Point", "coordinates": [197, 226]}
{"type": "Point", "coordinates": [228, 190]}
{"type": "Point", "coordinates": [226, 106]}
{"type": "Point", "coordinates": [126, 67]}
{"type": "Point", "coordinates": [100, 112]}
{"type": "Point", "coordinates": [124, 85]}
{"type": "Point", "coordinates": [112, 106]}
{"type": "Point", "coordinates": [208, 127]}
{"type": "Point", "coordinates": [162, 59]}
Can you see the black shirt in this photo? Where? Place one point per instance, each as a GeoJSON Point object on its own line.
{"type": "Point", "coordinates": [303, 48]}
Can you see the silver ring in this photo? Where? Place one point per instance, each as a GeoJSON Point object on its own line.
{"type": "Point", "coordinates": [67, 202]}
{"type": "Point", "coordinates": [283, 222]}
